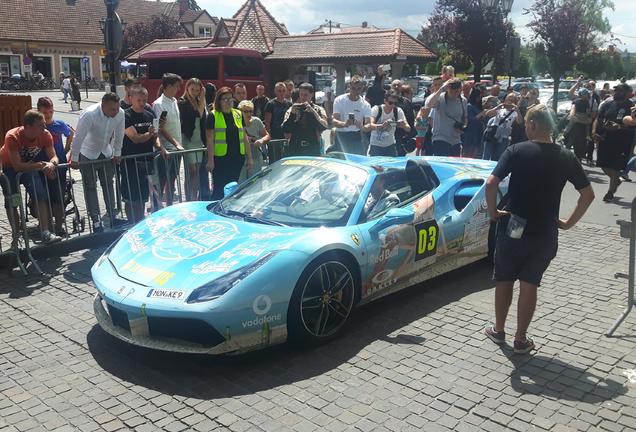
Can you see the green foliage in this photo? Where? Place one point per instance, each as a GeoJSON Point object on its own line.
{"type": "Point", "coordinates": [157, 27]}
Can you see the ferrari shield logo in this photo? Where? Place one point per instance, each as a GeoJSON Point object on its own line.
{"type": "Point", "coordinates": [355, 239]}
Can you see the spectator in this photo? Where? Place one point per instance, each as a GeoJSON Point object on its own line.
{"type": "Point", "coordinates": [22, 146]}
{"type": "Point", "coordinates": [525, 103]}
{"type": "Point", "coordinates": [192, 113]}
{"type": "Point", "coordinates": [448, 72]}
{"type": "Point", "coordinates": [581, 117]}
{"type": "Point", "coordinates": [99, 137]}
{"type": "Point", "coordinates": [76, 94]}
{"type": "Point", "coordinates": [499, 127]}
{"type": "Point", "coordinates": [350, 115]}
{"type": "Point", "coordinates": [303, 124]}
{"type": "Point", "coordinates": [613, 137]}
{"type": "Point", "coordinates": [140, 138]}
{"type": "Point", "coordinates": [472, 136]}
{"type": "Point", "coordinates": [605, 92]}
{"type": "Point", "coordinates": [402, 136]}
{"type": "Point", "coordinates": [289, 88]}
{"type": "Point", "coordinates": [125, 102]}
{"type": "Point", "coordinates": [384, 120]}
{"type": "Point", "coordinates": [450, 118]}
{"type": "Point", "coordinates": [259, 102]}
{"type": "Point", "coordinates": [422, 129]}
{"type": "Point", "coordinates": [56, 187]}
{"type": "Point", "coordinates": [210, 93]}
{"type": "Point", "coordinates": [492, 100]}
{"type": "Point", "coordinates": [66, 87]}
{"type": "Point", "coordinates": [228, 146]}
{"type": "Point", "coordinates": [240, 94]}
{"type": "Point", "coordinates": [274, 115]}
{"type": "Point", "coordinates": [527, 237]}
{"type": "Point", "coordinates": [295, 94]}
{"type": "Point", "coordinates": [328, 99]}
{"type": "Point", "coordinates": [169, 132]}
{"type": "Point", "coordinates": [375, 94]}
{"type": "Point", "coordinates": [257, 136]}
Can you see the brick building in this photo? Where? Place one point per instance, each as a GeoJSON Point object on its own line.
{"type": "Point", "coordinates": [56, 34]}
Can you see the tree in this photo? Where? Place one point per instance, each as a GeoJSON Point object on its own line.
{"type": "Point", "coordinates": [464, 26]}
{"type": "Point", "coordinates": [142, 33]}
{"type": "Point", "coordinates": [568, 29]}
{"type": "Point", "coordinates": [595, 64]}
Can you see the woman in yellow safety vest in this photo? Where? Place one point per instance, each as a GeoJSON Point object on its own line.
{"type": "Point", "coordinates": [227, 142]}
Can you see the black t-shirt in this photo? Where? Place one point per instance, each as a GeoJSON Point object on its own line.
{"type": "Point", "coordinates": [278, 110]}
{"type": "Point", "coordinates": [141, 122]}
{"type": "Point", "coordinates": [538, 173]}
{"type": "Point", "coordinates": [614, 111]}
{"type": "Point", "coordinates": [259, 106]}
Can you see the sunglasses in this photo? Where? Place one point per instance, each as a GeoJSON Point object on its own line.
{"type": "Point", "coordinates": [247, 111]}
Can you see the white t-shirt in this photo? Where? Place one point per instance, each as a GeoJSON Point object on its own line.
{"type": "Point", "coordinates": [66, 83]}
{"type": "Point", "coordinates": [173, 119]}
{"type": "Point", "coordinates": [343, 106]}
{"type": "Point", "coordinates": [385, 137]}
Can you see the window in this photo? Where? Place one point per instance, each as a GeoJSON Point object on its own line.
{"type": "Point", "coordinates": [205, 31]}
{"type": "Point", "coordinates": [205, 68]}
{"type": "Point", "coordinates": [243, 66]}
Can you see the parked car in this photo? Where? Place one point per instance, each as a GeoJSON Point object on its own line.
{"type": "Point", "coordinates": [289, 253]}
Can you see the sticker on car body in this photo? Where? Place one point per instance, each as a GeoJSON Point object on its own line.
{"type": "Point", "coordinates": [166, 294]}
{"type": "Point", "coordinates": [427, 234]}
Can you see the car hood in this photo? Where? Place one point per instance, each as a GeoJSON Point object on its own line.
{"type": "Point", "coordinates": [187, 245]}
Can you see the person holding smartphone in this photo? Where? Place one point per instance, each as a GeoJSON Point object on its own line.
{"type": "Point", "coordinates": [385, 119]}
{"type": "Point", "coordinates": [167, 109]}
{"type": "Point", "coordinates": [192, 111]}
{"type": "Point", "coordinates": [303, 124]}
{"type": "Point", "coordinates": [351, 116]}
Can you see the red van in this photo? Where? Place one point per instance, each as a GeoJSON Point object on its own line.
{"type": "Point", "coordinates": [222, 66]}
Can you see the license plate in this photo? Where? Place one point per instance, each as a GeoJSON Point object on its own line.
{"type": "Point", "coordinates": [167, 294]}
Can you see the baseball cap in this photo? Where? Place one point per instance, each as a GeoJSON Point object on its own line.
{"type": "Point", "coordinates": [584, 92]}
{"type": "Point", "coordinates": [622, 87]}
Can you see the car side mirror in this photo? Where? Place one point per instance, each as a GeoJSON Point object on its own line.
{"type": "Point", "coordinates": [395, 216]}
{"type": "Point", "coordinates": [229, 188]}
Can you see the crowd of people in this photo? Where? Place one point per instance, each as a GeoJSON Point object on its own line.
{"type": "Point", "coordinates": [456, 119]}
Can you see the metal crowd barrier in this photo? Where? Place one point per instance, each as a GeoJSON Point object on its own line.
{"type": "Point", "coordinates": [85, 209]}
{"type": "Point", "coordinates": [627, 231]}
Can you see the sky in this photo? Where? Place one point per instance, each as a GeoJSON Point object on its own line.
{"type": "Point", "coordinates": [301, 16]}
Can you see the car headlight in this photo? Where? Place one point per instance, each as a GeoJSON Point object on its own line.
{"type": "Point", "coordinates": [223, 284]}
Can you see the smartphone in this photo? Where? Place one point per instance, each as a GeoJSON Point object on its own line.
{"type": "Point", "coordinates": [386, 67]}
{"type": "Point", "coordinates": [352, 116]}
{"type": "Point", "coordinates": [164, 114]}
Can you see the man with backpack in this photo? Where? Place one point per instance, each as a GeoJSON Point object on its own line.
{"type": "Point", "coordinates": [351, 113]}
{"type": "Point", "coordinates": [450, 118]}
{"type": "Point", "coordinates": [385, 119]}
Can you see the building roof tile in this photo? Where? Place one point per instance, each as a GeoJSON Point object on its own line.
{"type": "Point", "coordinates": [370, 43]}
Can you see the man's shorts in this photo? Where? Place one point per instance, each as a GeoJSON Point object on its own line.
{"type": "Point", "coordinates": [33, 182]}
{"type": "Point", "coordinates": [524, 259]}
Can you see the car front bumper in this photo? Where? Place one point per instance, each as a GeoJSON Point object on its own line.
{"type": "Point", "coordinates": [139, 334]}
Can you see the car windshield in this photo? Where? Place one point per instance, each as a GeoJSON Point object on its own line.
{"type": "Point", "coordinates": [298, 192]}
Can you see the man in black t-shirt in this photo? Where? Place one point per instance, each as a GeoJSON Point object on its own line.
{"type": "Point", "coordinates": [260, 101]}
{"type": "Point", "coordinates": [303, 124]}
{"type": "Point", "coordinates": [275, 110]}
{"type": "Point", "coordinates": [527, 229]}
{"type": "Point", "coordinates": [140, 138]}
{"type": "Point", "coordinates": [613, 138]}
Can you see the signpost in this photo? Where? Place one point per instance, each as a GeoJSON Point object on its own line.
{"type": "Point", "coordinates": [85, 61]}
{"type": "Point", "coordinates": [113, 29]}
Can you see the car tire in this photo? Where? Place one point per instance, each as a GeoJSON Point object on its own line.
{"type": "Point", "coordinates": [323, 300]}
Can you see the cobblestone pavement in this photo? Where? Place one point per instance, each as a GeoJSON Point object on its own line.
{"type": "Point", "coordinates": [414, 361]}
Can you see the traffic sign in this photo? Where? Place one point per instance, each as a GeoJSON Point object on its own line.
{"type": "Point", "coordinates": [85, 59]}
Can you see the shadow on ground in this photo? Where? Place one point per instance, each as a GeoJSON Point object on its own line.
{"type": "Point", "coordinates": [208, 377]}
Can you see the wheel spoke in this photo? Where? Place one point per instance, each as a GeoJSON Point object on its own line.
{"type": "Point", "coordinates": [334, 305]}
{"type": "Point", "coordinates": [316, 302]}
{"type": "Point", "coordinates": [318, 320]}
{"type": "Point", "coordinates": [341, 283]}
{"type": "Point", "coordinates": [324, 278]}
{"type": "Point", "coordinates": [324, 325]}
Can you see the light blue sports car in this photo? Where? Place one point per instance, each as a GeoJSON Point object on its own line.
{"type": "Point", "coordinates": [290, 252]}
